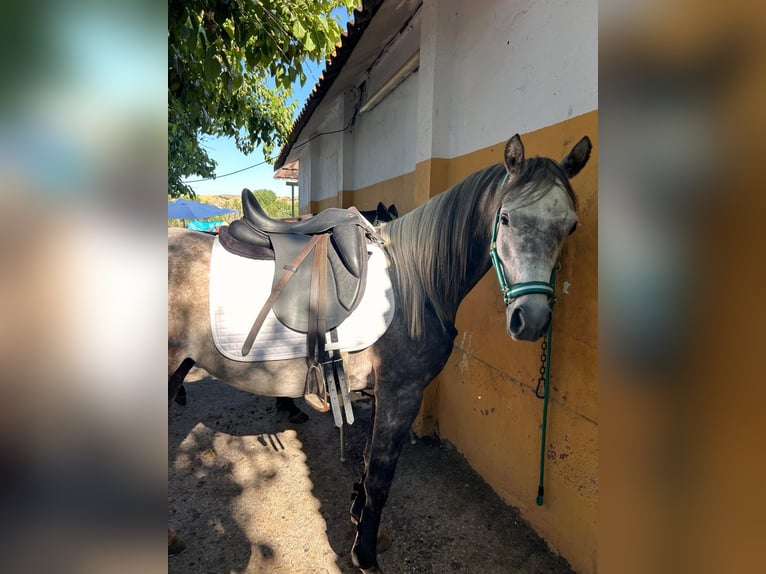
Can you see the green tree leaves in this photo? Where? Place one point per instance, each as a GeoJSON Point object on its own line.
{"type": "Point", "coordinates": [298, 30]}
{"type": "Point", "coordinates": [231, 68]}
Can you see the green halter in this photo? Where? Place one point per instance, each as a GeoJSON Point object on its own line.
{"type": "Point", "coordinates": [517, 289]}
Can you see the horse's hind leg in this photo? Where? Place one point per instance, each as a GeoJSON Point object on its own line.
{"type": "Point", "coordinates": [358, 489]}
{"type": "Point", "coordinates": [180, 398]}
{"type": "Point", "coordinates": [389, 431]}
{"type": "Point", "coordinates": [294, 414]}
{"type": "Point", "coordinates": [176, 380]}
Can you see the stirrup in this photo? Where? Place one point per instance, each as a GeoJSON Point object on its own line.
{"type": "Point", "coordinates": [316, 395]}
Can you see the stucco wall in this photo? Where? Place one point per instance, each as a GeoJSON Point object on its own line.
{"type": "Point", "coordinates": [495, 66]}
{"type": "Point", "coordinates": [327, 168]}
{"type": "Point", "coordinates": [304, 181]}
{"type": "Point", "coordinates": [384, 137]}
{"type": "Point", "coordinates": [529, 64]}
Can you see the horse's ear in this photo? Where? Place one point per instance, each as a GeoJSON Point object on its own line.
{"type": "Point", "coordinates": [514, 155]}
{"type": "Point", "coordinates": [577, 158]}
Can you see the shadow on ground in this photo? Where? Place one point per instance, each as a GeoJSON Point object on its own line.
{"type": "Point", "coordinates": [251, 492]}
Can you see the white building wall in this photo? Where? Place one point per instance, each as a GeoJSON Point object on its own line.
{"type": "Point", "coordinates": [304, 179]}
{"type": "Point", "coordinates": [385, 137]}
{"type": "Point", "coordinates": [436, 68]}
{"type": "Point", "coordinates": [326, 153]}
{"type": "Point", "coordinates": [329, 169]}
{"type": "Point", "coordinates": [516, 67]}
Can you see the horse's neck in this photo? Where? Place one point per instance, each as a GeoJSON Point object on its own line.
{"type": "Point", "coordinates": [470, 248]}
{"type": "Point", "coordinates": [478, 262]}
{"type": "Point", "coordinates": [441, 249]}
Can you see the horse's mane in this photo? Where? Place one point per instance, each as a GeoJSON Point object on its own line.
{"type": "Point", "coordinates": [433, 247]}
{"type": "Point", "coordinates": [429, 246]}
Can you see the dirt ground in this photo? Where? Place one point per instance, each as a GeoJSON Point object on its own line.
{"type": "Point", "coordinates": [250, 492]}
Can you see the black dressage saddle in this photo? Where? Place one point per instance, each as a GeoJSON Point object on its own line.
{"type": "Point", "coordinates": [337, 236]}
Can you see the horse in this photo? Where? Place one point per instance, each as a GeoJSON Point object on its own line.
{"type": "Point", "coordinates": [524, 207]}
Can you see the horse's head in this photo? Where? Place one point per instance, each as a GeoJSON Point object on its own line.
{"type": "Point", "coordinates": [536, 215]}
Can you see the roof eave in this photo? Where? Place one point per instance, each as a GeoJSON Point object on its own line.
{"type": "Point", "coordinates": [348, 41]}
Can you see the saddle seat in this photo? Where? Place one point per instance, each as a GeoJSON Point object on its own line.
{"type": "Point", "coordinates": [322, 222]}
{"type": "Point", "coordinates": [346, 267]}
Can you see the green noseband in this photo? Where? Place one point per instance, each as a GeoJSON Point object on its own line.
{"type": "Point", "coordinates": [517, 289]}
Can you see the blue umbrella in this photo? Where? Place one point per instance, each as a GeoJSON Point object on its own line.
{"type": "Point", "coordinates": [187, 209]}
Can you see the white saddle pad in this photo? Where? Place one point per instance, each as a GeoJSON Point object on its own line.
{"type": "Point", "coordinates": [239, 287]}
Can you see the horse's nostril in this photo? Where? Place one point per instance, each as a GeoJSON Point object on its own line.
{"type": "Point", "coordinates": [517, 321]}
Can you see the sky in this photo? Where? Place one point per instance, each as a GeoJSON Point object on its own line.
{"type": "Point", "coordinates": [230, 159]}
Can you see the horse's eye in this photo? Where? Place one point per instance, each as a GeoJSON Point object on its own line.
{"type": "Point", "coordinates": [504, 218]}
{"type": "Point", "coordinates": [572, 230]}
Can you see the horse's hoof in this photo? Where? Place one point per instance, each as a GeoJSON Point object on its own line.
{"type": "Point", "coordinates": [294, 414]}
{"type": "Point", "coordinates": [175, 544]}
{"type": "Point", "coordinates": [384, 541]}
{"type": "Point", "coordinates": [370, 562]}
{"type": "Point", "coordinates": [374, 569]}
{"type": "Point", "coordinates": [298, 418]}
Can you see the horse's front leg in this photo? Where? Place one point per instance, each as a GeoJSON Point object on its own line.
{"type": "Point", "coordinates": [392, 421]}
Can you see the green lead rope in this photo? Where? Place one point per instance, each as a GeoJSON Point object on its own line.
{"type": "Point", "coordinates": [549, 340]}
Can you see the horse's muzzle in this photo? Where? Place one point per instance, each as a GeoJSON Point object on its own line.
{"type": "Point", "coordinates": [528, 317]}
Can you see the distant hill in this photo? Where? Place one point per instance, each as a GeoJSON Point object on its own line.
{"type": "Point", "coordinates": [276, 206]}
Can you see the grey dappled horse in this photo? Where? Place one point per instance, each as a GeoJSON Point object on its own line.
{"type": "Point", "coordinates": [437, 254]}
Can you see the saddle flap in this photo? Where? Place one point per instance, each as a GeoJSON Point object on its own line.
{"type": "Point", "coordinates": [348, 287]}
{"type": "Point", "coordinates": [344, 289]}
